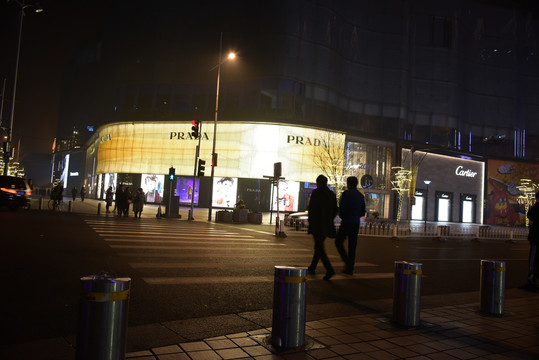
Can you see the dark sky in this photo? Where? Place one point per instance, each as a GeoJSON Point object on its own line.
{"type": "Point", "coordinates": [49, 44]}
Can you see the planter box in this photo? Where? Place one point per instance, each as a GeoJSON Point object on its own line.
{"type": "Point", "coordinates": [240, 215]}
{"type": "Point", "coordinates": [255, 218]}
{"type": "Point", "coordinates": [223, 216]}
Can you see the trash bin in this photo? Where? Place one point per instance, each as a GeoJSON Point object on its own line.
{"type": "Point", "coordinates": [289, 306]}
{"type": "Point", "coordinates": [492, 287]}
{"type": "Point", "coordinates": [103, 317]}
{"type": "Point", "coordinates": [407, 293]}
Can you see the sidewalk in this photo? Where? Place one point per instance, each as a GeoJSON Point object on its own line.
{"type": "Point", "coordinates": [333, 331]}
{"type": "Point", "coordinates": [448, 332]}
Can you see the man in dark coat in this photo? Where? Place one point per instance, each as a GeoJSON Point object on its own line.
{"type": "Point", "coordinates": [351, 210]}
{"type": "Point", "coordinates": [533, 238]}
{"type": "Point", "coordinates": [322, 211]}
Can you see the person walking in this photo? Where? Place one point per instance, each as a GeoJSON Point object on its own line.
{"type": "Point", "coordinates": [322, 210]}
{"type": "Point", "coordinates": [120, 195]}
{"type": "Point", "coordinates": [74, 193]}
{"type": "Point", "coordinates": [109, 196]}
{"type": "Point", "coordinates": [533, 238]}
{"type": "Point", "coordinates": [351, 210]}
{"type": "Point", "coordinates": [128, 199]}
{"type": "Point", "coordinates": [138, 202]}
{"type": "Point", "coordinates": [82, 194]}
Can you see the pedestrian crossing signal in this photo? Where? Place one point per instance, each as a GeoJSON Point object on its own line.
{"type": "Point", "coordinates": [171, 174]}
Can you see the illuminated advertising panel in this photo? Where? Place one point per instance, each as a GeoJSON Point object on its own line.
{"type": "Point", "coordinates": [185, 190]}
{"type": "Point", "coordinates": [110, 181]}
{"type": "Point", "coordinates": [64, 170]}
{"type": "Point", "coordinates": [152, 185]}
{"type": "Point", "coordinates": [99, 186]}
{"type": "Point", "coordinates": [502, 207]}
{"type": "Point", "coordinates": [224, 192]}
{"type": "Point", "coordinates": [244, 149]}
{"type": "Point", "coordinates": [288, 196]}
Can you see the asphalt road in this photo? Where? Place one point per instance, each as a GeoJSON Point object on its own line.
{"type": "Point", "coordinates": [182, 270]}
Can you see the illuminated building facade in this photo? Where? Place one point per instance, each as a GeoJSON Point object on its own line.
{"type": "Point", "coordinates": [140, 154]}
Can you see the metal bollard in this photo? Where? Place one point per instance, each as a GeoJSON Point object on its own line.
{"type": "Point", "coordinates": [103, 317]}
{"type": "Point", "coordinates": [492, 287]}
{"type": "Point", "coordinates": [407, 293]}
{"type": "Point", "coordinates": [98, 208]}
{"type": "Point", "coordinates": [40, 205]}
{"type": "Point", "coordinates": [69, 206]}
{"type": "Point", "coordinates": [289, 306]}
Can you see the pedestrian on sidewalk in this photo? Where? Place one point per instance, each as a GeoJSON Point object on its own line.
{"type": "Point", "coordinates": [82, 194]}
{"type": "Point", "coordinates": [138, 202]}
{"type": "Point", "coordinates": [109, 196]}
{"type": "Point", "coordinates": [322, 210]}
{"type": "Point", "coordinates": [74, 193]}
{"type": "Point", "coordinates": [533, 238]}
{"type": "Point", "coordinates": [120, 196]}
{"type": "Point", "coordinates": [351, 210]}
{"type": "Point", "coordinates": [128, 199]}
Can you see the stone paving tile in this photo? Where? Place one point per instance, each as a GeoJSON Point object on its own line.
{"type": "Point", "coordinates": [244, 341]}
{"type": "Point", "coordinates": [383, 344]}
{"type": "Point", "coordinates": [235, 353]}
{"type": "Point", "coordinates": [364, 347]}
{"type": "Point", "coordinates": [342, 349]}
{"type": "Point", "coordinates": [402, 352]}
{"type": "Point", "coordinates": [382, 355]}
{"type": "Point", "coordinates": [237, 335]}
{"type": "Point", "coordinates": [194, 346]}
{"type": "Point", "coordinates": [139, 353]}
{"type": "Point", "coordinates": [328, 340]}
{"type": "Point", "coordinates": [358, 356]}
{"type": "Point", "coordinates": [256, 350]}
{"type": "Point", "coordinates": [221, 343]}
{"type": "Point", "coordinates": [204, 355]}
{"type": "Point", "coordinates": [178, 356]}
{"type": "Point", "coordinates": [167, 350]}
{"type": "Point", "coordinates": [268, 357]}
{"type": "Point", "coordinates": [321, 353]}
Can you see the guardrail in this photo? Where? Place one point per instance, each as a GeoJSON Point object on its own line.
{"type": "Point", "coordinates": [431, 230]}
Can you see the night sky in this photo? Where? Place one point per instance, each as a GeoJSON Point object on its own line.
{"type": "Point", "coordinates": [48, 45]}
{"type": "Point", "coordinates": [51, 41]}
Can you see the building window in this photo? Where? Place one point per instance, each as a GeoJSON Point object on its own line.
{"type": "Point", "coordinates": [442, 32]}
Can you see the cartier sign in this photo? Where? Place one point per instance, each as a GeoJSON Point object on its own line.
{"type": "Point", "coordinates": [460, 171]}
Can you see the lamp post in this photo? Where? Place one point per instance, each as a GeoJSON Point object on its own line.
{"type": "Point", "coordinates": [213, 154]}
{"type": "Point", "coordinates": [38, 9]}
{"type": "Point", "coordinates": [427, 182]}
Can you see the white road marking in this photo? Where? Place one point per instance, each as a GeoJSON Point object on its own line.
{"type": "Point", "coordinates": [197, 280]}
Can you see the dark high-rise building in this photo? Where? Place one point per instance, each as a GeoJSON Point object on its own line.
{"type": "Point", "coordinates": [455, 74]}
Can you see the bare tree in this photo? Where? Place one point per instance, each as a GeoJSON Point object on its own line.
{"type": "Point", "coordinates": [401, 185]}
{"type": "Point", "coordinates": [329, 158]}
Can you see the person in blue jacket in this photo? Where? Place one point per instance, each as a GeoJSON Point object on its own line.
{"type": "Point", "coordinates": [351, 210]}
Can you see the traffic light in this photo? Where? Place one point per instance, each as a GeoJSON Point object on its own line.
{"type": "Point", "coordinates": [201, 167]}
{"type": "Point", "coordinates": [195, 133]}
{"type": "Point", "coordinates": [171, 174]}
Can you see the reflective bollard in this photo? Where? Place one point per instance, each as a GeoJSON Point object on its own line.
{"type": "Point", "coordinates": [407, 293]}
{"type": "Point", "coordinates": [492, 287]}
{"type": "Point", "coordinates": [103, 318]}
{"type": "Point", "coordinates": [99, 209]}
{"type": "Point", "coordinates": [289, 307]}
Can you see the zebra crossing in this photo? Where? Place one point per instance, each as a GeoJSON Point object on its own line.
{"type": "Point", "coordinates": [182, 253]}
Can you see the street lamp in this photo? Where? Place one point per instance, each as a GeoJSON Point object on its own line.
{"type": "Point", "coordinates": [37, 9]}
{"type": "Point", "coordinates": [427, 182]}
{"type": "Point", "coordinates": [230, 56]}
